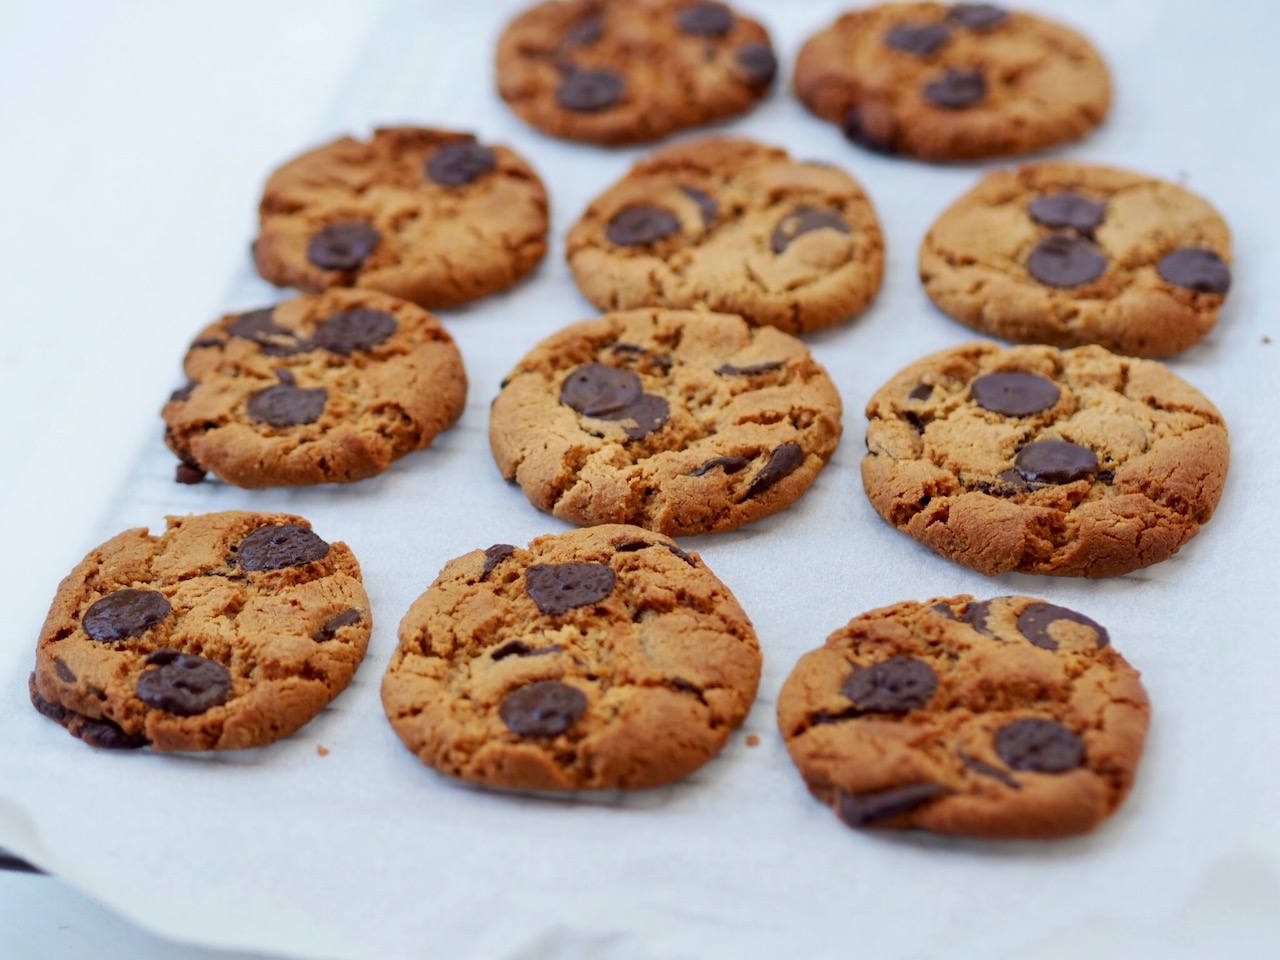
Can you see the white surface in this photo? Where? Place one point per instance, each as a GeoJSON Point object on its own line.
{"type": "Point", "coordinates": [137, 138]}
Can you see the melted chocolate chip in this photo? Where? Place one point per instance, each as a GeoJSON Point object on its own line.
{"type": "Point", "coordinates": [188, 474]}
{"type": "Point", "coordinates": [916, 421]}
{"type": "Point", "coordinates": [330, 630]}
{"type": "Point", "coordinates": [705, 20]}
{"type": "Point", "coordinates": [495, 555]}
{"type": "Point", "coordinates": [590, 91]}
{"type": "Point", "coordinates": [957, 89]}
{"type": "Point", "coordinates": [727, 464]}
{"type": "Point", "coordinates": [102, 734]}
{"type": "Point", "coordinates": [705, 203]}
{"type": "Point", "coordinates": [649, 413]}
{"type": "Point", "coordinates": [757, 62]}
{"type": "Point", "coordinates": [559, 587]}
{"type": "Point", "coordinates": [921, 391]}
{"type": "Point", "coordinates": [186, 685]}
{"type": "Point", "coordinates": [1008, 483]}
{"type": "Point", "coordinates": [977, 16]}
{"type": "Point", "coordinates": [856, 130]}
{"type": "Point", "coordinates": [356, 329]}
{"type": "Point", "coordinates": [634, 350]}
{"type": "Point", "coordinates": [920, 39]}
{"type": "Point", "coordinates": [1035, 620]}
{"type": "Point", "coordinates": [183, 393]}
{"type": "Point", "coordinates": [1195, 268]}
{"type": "Point", "coordinates": [544, 709]}
{"type": "Point", "coordinates": [976, 616]}
{"type": "Point", "coordinates": [260, 327]}
{"type": "Point", "coordinates": [279, 546]}
{"type": "Point", "coordinates": [868, 809]}
{"type": "Point", "coordinates": [942, 610]}
{"type": "Point", "coordinates": [729, 370]}
{"type": "Point", "coordinates": [343, 246]}
{"type": "Point", "coordinates": [1043, 746]}
{"type": "Point", "coordinates": [598, 390]}
{"type": "Point", "coordinates": [681, 554]}
{"type": "Point", "coordinates": [124, 614]}
{"type": "Point", "coordinates": [1055, 461]}
{"type": "Point", "coordinates": [585, 32]}
{"type": "Point", "coordinates": [1014, 394]}
{"type": "Point", "coordinates": [804, 220]}
{"type": "Point", "coordinates": [641, 226]}
{"type": "Point", "coordinates": [1064, 260]}
{"type": "Point", "coordinates": [896, 685]}
{"type": "Point", "coordinates": [285, 405]}
{"type": "Point", "coordinates": [518, 648]}
{"type": "Point", "coordinates": [158, 658]}
{"type": "Point", "coordinates": [782, 462]}
{"type": "Point", "coordinates": [65, 673]}
{"type": "Point", "coordinates": [461, 162]}
{"type": "Point", "coordinates": [1069, 210]}
{"type": "Point", "coordinates": [987, 770]}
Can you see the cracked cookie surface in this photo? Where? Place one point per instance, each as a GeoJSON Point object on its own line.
{"type": "Point", "coordinates": [229, 630]}
{"type": "Point", "coordinates": [317, 389]}
{"type": "Point", "coordinates": [1004, 718]}
{"type": "Point", "coordinates": [429, 216]}
{"type": "Point", "coordinates": [682, 422]}
{"type": "Point", "coordinates": [953, 82]}
{"type": "Point", "coordinates": [605, 658]}
{"type": "Point", "coordinates": [736, 226]}
{"type": "Point", "coordinates": [1038, 460]}
{"type": "Point", "coordinates": [1070, 254]}
{"type": "Point", "coordinates": [631, 71]}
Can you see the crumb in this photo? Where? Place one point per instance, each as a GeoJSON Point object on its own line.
{"type": "Point", "coordinates": [1266, 339]}
{"type": "Point", "coordinates": [322, 750]}
{"type": "Point", "coordinates": [753, 740]}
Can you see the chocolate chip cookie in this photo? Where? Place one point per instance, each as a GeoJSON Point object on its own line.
{"type": "Point", "coordinates": [681, 422]}
{"type": "Point", "coordinates": [736, 226]}
{"type": "Point", "coordinates": [1069, 462]}
{"type": "Point", "coordinates": [228, 630]}
{"type": "Point", "coordinates": [430, 216]}
{"type": "Point", "coordinates": [630, 71]}
{"type": "Point", "coordinates": [953, 82]}
{"type": "Point", "coordinates": [1069, 254]}
{"type": "Point", "coordinates": [1005, 718]}
{"type": "Point", "coordinates": [317, 389]}
{"type": "Point", "coordinates": [597, 659]}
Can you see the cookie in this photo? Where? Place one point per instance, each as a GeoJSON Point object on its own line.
{"type": "Point", "coordinates": [605, 658]}
{"type": "Point", "coordinates": [430, 216]}
{"type": "Point", "coordinates": [736, 226]}
{"type": "Point", "coordinates": [317, 389]}
{"type": "Point", "coordinates": [1069, 254]}
{"type": "Point", "coordinates": [953, 82]}
{"type": "Point", "coordinates": [630, 71]}
{"type": "Point", "coordinates": [1069, 462]}
{"type": "Point", "coordinates": [681, 422]}
{"type": "Point", "coordinates": [1006, 718]}
{"type": "Point", "coordinates": [229, 630]}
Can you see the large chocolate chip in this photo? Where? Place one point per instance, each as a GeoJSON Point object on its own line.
{"type": "Point", "coordinates": [804, 220]}
{"type": "Point", "coordinates": [956, 89]}
{"type": "Point", "coordinates": [1014, 394]}
{"type": "Point", "coordinates": [705, 20]}
{"type": "Point", "coordinates": [641, 226]}
{"type": "Point", "coordinates": [896, 685]}
{"type": "Point", "coordinates": [279, 546]}
{"type": "Point", "coordinates": [558, 587]}
{"type": "Point", "coordinates": [330, 630]}
{"type": "Point", "coordinates": [977, 16]}
{"type": "Point", "coordinates": [921, 391]}
{"type": "Point", "coordinates": [495, 555]}
{"type": "Point", "coordinates": [260, 327]}
{"type": "Point", "coordinates": [856, 130]}
{"type": "Point", "coordinates": [544, 709]}
{"type": "Point", "coordinates": [782, 462]}
{"type": "Point", "coordinates": [976, 616]}
{"type": "Point", "coordinates": [1065, 260]}
{"type": "Point", "coordinates": [585, 32]}
{"type": "Point", "coordinates": [705, 203]}
{"type": "Point", "coordinates": [186, 685]}
{"type": "Point", "coordinates": [1068, 210]}
{"type": "Point", "coordinates": [590, 91]}
{"type": "Point", "coordinates": [461, 162]}
{"type": "Point", "coordinates": [727, 464]}
{"type": "Point", "coordinates": [343, 246]}
{"type": "Point", "coordinates": [125, 614]}
{"type": "Point", "coordinates": [356, 329]}
{"type": "Point", "coordinates": [757, 62]}
{"type": "Point", "coordinates": [1055, 461]}
{"type": "Point", "coordinates": [1196, 269]}
{"type": "Point", "coordinates": [920, 39]}
{"type": "Point", "coordinates": [285, 405]}
{"type": "Point", "coordinates": [868, 809]}
{"type": "Point", "coordinates": [1043, 746]}
{"type": "Point", "coordinates": [1035, 620]}
{"type": "Point", "coordinates": [598, 390]}
{"type": "Point", "coordinates": [729, 370]}
{"type": "Point", "coordinates": [649, 412]}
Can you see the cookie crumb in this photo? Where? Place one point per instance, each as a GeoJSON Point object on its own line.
{"type": "Point", "coordinates": [1266, 339]}
{"type": "Point", "coordinates": [322, 750]}
{"type": "Point", "coordinates": [753, 740]}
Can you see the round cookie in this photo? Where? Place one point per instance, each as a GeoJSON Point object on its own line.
{"type": "Point", "coordinates": [736, 226]}
{"type": "Point", "coordinates": [317, 389]}
{"type": "Point", "coordinates": [429, 216]}
{"type": "Point", "coordinates": [229, 630]}
{"type": "Point", "coordinates": [1069, 254]}
{"type": "Point", "coordinates": [1068, 462]}
{"type": "Point", "coordinates": [953, 82]}
{"type": "Point", "coordinates": [1009, 718]}
{"type": "Point", "coordinates": [605, 658]}
{"type": "Point", "coordinates": [681, 422]}
{"type": "Point", "coordinates": [631, 71]}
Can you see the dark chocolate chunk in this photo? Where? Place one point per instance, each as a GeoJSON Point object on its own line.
{"type": "Point", "coordinates": [558, 587]}
{"type": "Point", "coordinates": [360, 328]}
{"type": "Point", "coordinates": [1014, 393]}
{"type": "Point", "coordinates": [727, 464]}
{"type": "Point", "coordinates": [868, 809]}
{"type": "Point", "coordinates": [187, 685]}
{"type": "Point", "coordinates": [782, 462]}
{"type": "Point", "coordinates": [343, 246]}
{"type": "Point", "coordinates": [1196, 269]}
{"type": "Point", "coordinates": [987, 770]}
{"type": "Point", "coordinates": [495, 555]}
{"type": "Point", "coordinates": [285, 405]}
{"type": "Point", "coordinates": [757, 62]}
{"type": "Point", "coordinates": [598, 390]}
{"type": "Point", "coordinates": [1106, 476]}
{"type": "Point", "coordinates": [518, 648]}
{"type": "Point", "coordinates": [977, 16]}
{"type": "Point", "coordinates": [279, 546]}
{"type": "Point", "coordinates": [705, 203]}
{"type": "Point", "coordinates": [681, 554]}
{"type": "Point", "coordinates": [544, 709]}
{"type": "Point", "coordinates": [921, 391]}
{"type": "Point", "coordinates": [957, 89]}
{"type": "Point", "coordinates": [590, 91]}
{"type": "Point", "coordinates": [585, 32]}
{"type": "Point", "coordinates": [896, 685]}
{"type": "Point", "coordinates": [183, 393]}
{"type": "Point", "coordinates": [124, 614]}
{"type": "Point", "coordinates": [920, 39]}
{"type": "Point", "coordinates": [855, 130]}
{"type": "Point", "coordinates": [1040, 745]}
{"type": "Point", "coordinates": [1034, 623]}
{"type": "Point", "coordinates": [634, 350]}
{"type": "Point", "coordinates": [640, 226]}
{"type": "Point", "coordinates": [158, 658]}
{"type": "Point", "coordinates": [1068, 210]}
{"type": "Point", "coordinates": [1055, 461]}
{"type": "Point", "coordinates": [1065, 260]}
{"type": "Point", "coordinates": [188, 474]}
{"type": "Point", "coordinates": [729, 370]}
{"type": "Point", "coordinates": [916, 421]}
{"type": "Point", "coordinates": [649, 412]}
{"type": "Point", "coordinates": [103, 734]}
{"type": "Point", "coordinates": [330, 630]}
{"type": "Point", "coordinates": [705, 20]}
{"type": "Point", "coordinates": [804, 220]}
{"type": "Point", "coordinates": [461, 162]}
{"type": "Point", "coordinates": [65, 673]}
{"type": "Point", "coordinates": [942, 610]}
{"type": "Point", "coordinates": [260, 327]}
{"type": "Point", "coordinates": [976, 615]}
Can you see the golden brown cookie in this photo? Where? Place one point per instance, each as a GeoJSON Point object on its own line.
{"type": "Point", "coordinates": [430, 216]}
{"type": "Point", "coordinates": [630, 71]}
{"type": "Point", "coordinates": [953, 82]}
{"type": "Point", "coordinates": [1069, 254]}
{"type": "Point", "coordinates": [1005, 718]}
{"type": "Point", "coordinates": [735, 226]}
{"type": "Point", "coordinates": [1068, 462]}
{"type": "Point", "coordinates": [678, 421]}
{"type": "Point", "coordinates": [597, 659]}
{"type": "Point", "coordinates": [329, 388]}
{"type": "Point", "coordinates": [229, 630]}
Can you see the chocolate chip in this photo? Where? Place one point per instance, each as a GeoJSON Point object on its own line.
{"type": "Point", "coordinates": [598, 390]}
{"type": "Point", "coordinates": [757, 61]}
{"type": "Point", "coordinates": [124, 614]}
{"type": "Point", "coordinates": [1035, 620]}
{"type": "Point", "coordinates": [921, 391]}
{"type": "Point", "coordinates": [1014, 394]}
{"type": "Point", "coordinates": [103, 734]}
{"type": "Point", "coordinates": [916, 421]}
{"type": "Point", "coordinates": [287, 406]}
{"type": "Point", "coordinates": [641, 226]}
{"type": "Point", "coordinates": [1064, 260]}
{"type": "Point", "coordinates": [495, 555]}
{"type": "Point", "coordinates": [976, 616]}
{"type": "Point", "coordinates": [279, 546]}
{"type": "Point", "coordinates": [729, 370]}
{"type": "Point", "coordinates": [782, 462]}
{"type": "Point", "coordinates": [681, 554]}
{"type": "Point", "coordinates": [360, 328]}
{"type": "Point", "coordinates": [460, 162]}
{"type": "Point", "coordinates": [1043, 746]}
{"type": "Point", "coordinates": [1008, 483]}
{"type": "Point", "coordinates": [705, 20]}
{"type": "Point", "coordinates": [330, 630]}
{"type": "Point", "coordinates": [260, 327]}
{"type": "Point", "coordinates": [158, 658]}
{"type": "Point", "coordinates": [1106, 476]}
{"type": "Point", "coordinates": [1055, 461]}
{"type": "Point", "coordinates": [590, 91]}
{"type": "Point", "coordinates": [896, 685]}
{"type": "Point", "coordinates": [585, 32]}
{"type": "Point", "coordinates": [987, 770]}
{"type": "Point", "coordinates": [856, 130]}
{"type": "Point", "coordinates": [956, 89]}
{"type": "Point", "coordinates": [977, 16]}
{"type": "Point", "coordinates": [804, 220]}
{"type": "Point", "coordinates": [65, 673]}
{"type": "Point", "coordinates": [558, 587]}
{"type": "Point", "coordinates": [705, 203]}
{"type": "Point", "coordinates": [1068, 210]}
{"type": "Point", "coordinates": [518, 648]}
{"type": "Point", "coordinates": [1196, 269]}
{"type": "Point", "coordinates": [544, 709]}
{"type": "Point", "coordinates": [187, 685]}
{"type": "Point", "coordinates": [183, 393]}
{"type": "Point", "coordinates": [649, 413]}
{"type": "Point", "coordinates": [634, 350]}
{"type": "Point", "coordinates": [921, 39]}
{"type": "Point", "coordinates": [868, 809]}
{"type": "Point", "coordinates": [944, 611]}
{"type": "Point", "coordinates": [343, 246]}
{"type": "Point", "coordinates": [727, 464]}
{"type": "Point", "coordinates": [188, 474]}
